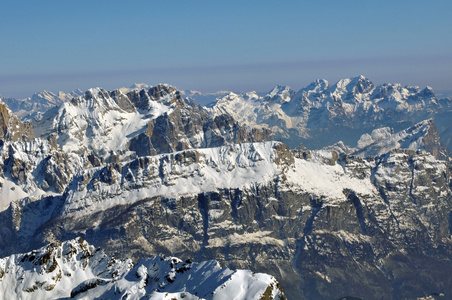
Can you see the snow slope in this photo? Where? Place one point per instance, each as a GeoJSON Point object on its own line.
{"type": "Point", "coordinates": [384, 140]}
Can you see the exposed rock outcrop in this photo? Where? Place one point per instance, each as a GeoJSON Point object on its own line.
{"type": "Point", "coordinates": [11, 128]}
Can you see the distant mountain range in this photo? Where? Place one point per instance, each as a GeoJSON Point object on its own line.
{"type": "Point", "coordinates": [337, 191]}
{"type": "Point", "coordinates": [321, 114]}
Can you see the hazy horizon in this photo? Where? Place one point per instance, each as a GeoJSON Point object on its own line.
{"type": "Point", "coordinates": [209, 46]}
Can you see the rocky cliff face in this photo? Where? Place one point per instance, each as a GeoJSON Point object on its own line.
{"type": "Point", "coordinates": [189, 127]}
{"type": "Point", "coordinates": [34, 169]}
{"type": "Point", "coordinates": [31, 167]}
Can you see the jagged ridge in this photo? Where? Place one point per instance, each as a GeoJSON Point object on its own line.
{"type": "Point", "coordinates": [142, 122]}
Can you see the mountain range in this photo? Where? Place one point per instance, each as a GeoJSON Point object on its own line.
{"type": "Point", "coordinates": [337, 190]}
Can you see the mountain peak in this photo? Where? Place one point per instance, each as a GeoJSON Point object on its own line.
{"type": "Point", "coordinates": [44, 93]}
{"type": "Point", "coordinates": [279, 89]}
{"type": "Point", "coordinates": [139, 86]}
{"type": "Point", "coordinates": [317, 86]}
{"type": "Point", "coordinates": [352, 90]}
{"type": "Point", "coordinates": [363, 84]}
{"type": "Point", "coordinates": [428, 92]}
{"type": "Point", "coordinates": [281, 93]}
{"type": "Point", "coordinates": [45, 97]}
{"type": "Point", "coordinates": [161, 90]}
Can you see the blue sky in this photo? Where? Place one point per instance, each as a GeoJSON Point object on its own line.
{"type": "Point", "coordinates": [213, 45]}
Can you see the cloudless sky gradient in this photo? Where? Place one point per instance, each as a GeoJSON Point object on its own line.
{"type": "Point", "coordinates": [228, 45]}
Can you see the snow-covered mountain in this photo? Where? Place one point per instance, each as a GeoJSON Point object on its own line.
{"type": "Point", "coordinates": [322, 114]}
{"type": "Point", "coordinates": [352, 106]}
{"type": "Point", "coordinates": [78, 270]}
{"type": "Point", "coordinates": [34, 169]}
{"type": "Point", "coordinates": [135, 86]}
{"type": "Point", "coordinates": [204, 98]}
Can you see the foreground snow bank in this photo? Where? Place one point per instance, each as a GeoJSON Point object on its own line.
{"type": "Point", "coordinates": [78, 270]}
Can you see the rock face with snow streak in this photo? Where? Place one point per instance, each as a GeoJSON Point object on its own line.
{"type": "Point", "coordinates": [78, 270]}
